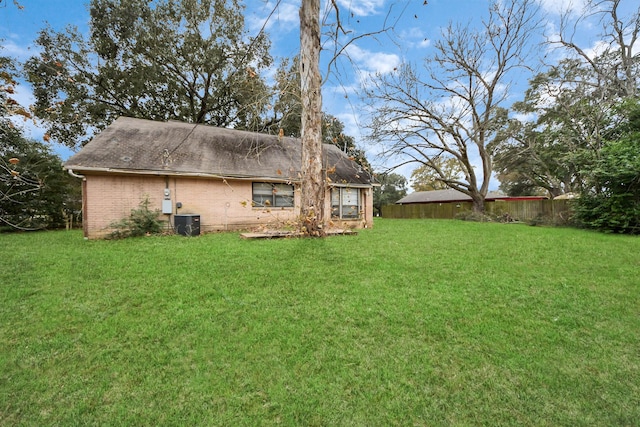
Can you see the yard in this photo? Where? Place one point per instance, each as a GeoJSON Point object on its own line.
{"type": "Point", "coordinates": [411, 323]}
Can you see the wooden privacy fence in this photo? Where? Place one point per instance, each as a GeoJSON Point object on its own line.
{"type": "Point", "coordinates": [556, 211]}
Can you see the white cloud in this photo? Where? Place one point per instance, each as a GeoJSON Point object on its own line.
{"type": "Point", "coordinates": [373, 62]}
{"type": "Point", "coordinates": [412, 33]}
{"type": "Point", "coordinates": [285, 17]}
{"type": "Point", "coordinates": [552, 33]}
{"type": "Point", "coordinates": [11, 49]}
{"type": "Point", "coordinates": [362, 7]}
{"type": "Point", "coordinates": [23, 95]}
{"type": "Point", "coordinates": [350, 121]}
{"type": "Point", "coordinates": [525, 117]}
{"type": "Point", "coordinates": [414, 37]}
{"type": "Point", "coordinates": [287, 14]}
{"type": "Point", "coordinates": [557, 7]}
{"type": "Point", "coordinates": [597, 49]}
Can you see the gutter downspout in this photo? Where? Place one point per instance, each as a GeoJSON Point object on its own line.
{"type": "Point", "coordinates": [75, 175]}
{"type": "Point", "coordinates": [85, 231]}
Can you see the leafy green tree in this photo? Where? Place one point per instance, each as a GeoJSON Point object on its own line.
{"type": "Point", "coordinates": [393, 187]}
{"type": "Point", "coordinates": [35, 192]}
{"type": "Point", "coordinates": [187, 60]}
{"type": "Point", "coordinates": [427, 178]}
{"type": "Point", "coordinates": [8, 83]}
{"type": "Point", "coordinates": [285, 115]}
{"type": "Point", "coordinates": [613, 202]}
{"type": "Point", "coordinates": [574, 105]}
{"type": "Point", "coordinates": [513, 184]}
{"type": "Point", "coordinates": [572, 112]}
{"type": "Point", "coordinates": [333, 133]}
{"type": "Point", "coordinates": [286, 112]}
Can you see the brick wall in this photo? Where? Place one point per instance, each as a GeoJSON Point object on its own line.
{"type": "Point", "coordinates": [221, 204]}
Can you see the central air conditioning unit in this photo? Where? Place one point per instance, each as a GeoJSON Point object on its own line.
{"type": "Point", "coordinates": [187, 224]}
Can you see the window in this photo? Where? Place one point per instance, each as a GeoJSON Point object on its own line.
{"type": "Point", "coordinates": [345, 203]}
{"type": "Point", "coordinates": [266, 194]}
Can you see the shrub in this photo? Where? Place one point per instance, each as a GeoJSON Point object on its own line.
{"type": "Point", "coordinates": [612, 202]}
{"type": "Point", "coordinates": [541, 219]}
{"type": "Point", "coordinates": [141, 222]}
{"type": "Point", "coordinates": [473, 216]}
{"type": "Point", "coordinates": [611, 213]}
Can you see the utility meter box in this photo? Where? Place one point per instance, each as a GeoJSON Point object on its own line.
{"type": "Point", "coordinates": [167, 207]}
{"type": "Point", "coordinates": [187, 224]}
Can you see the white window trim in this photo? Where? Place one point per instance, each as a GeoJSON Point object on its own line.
{"type": "Point", "coordinates": [273, 202]}
{"type": "Point", "coordinates": [341, 204]}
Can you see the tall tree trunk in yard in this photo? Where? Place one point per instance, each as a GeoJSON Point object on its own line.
{"type": "Point", "coordinates": [313, 185]}
{"type": "Point", "coordinates": [478, 204]}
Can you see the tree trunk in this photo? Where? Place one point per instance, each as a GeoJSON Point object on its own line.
{"type": "Point", "coordinates": [313, 185]}
{"type": "Point", "coordinates": [555, 192]}
{"type": "Point", "coordinates": [478, 203]}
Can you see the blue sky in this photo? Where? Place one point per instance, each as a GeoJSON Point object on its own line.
{"type": "Point", "coordinates": [416, 27]}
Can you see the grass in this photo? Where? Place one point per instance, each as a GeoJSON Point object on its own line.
{"type": "Point", "coordinates": [415, 322]}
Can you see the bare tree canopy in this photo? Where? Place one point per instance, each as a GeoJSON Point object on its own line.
{"type": "Point", "coordinates": [455, 109]}
{"type": "Point", "coordinates": [574, 102]}
{"type": "Point", "coordinates": [617, 40]}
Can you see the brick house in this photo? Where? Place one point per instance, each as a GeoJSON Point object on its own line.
{"type": "Point", "coordinates": [230, 179]}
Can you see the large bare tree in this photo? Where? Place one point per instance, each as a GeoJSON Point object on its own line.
{"type": "Point", "coordinates": [617, 43]}
{"type": "Point", "coordinates": [456, 107]}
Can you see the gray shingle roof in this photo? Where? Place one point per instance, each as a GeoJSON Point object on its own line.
{"type": "Point", "coordinates": [139, 146]}
{"type": "Point", "coordinates": [443, 196]}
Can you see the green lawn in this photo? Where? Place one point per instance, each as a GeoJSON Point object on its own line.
{"type": "Point", "coordinates": [411, 323]}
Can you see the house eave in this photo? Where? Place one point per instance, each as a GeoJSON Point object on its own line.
{"type": "Point", "coordinates": [163, 173]}
{"type": "Point", "coordinates": [172, 173]}
{"type": "Point", "coordinates": [348, 185]}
